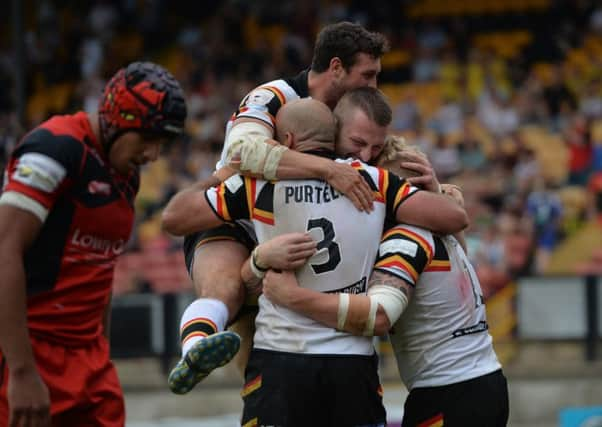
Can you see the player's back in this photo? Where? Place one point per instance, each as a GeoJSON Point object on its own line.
{"type": "Point", "coordinates": [347, 244]}
{"type": "Point", "coordinates": [442, 337]}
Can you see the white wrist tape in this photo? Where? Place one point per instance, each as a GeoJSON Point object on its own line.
{"type": "Point", "coordinates": [342, 311]}
{"type": "Point", "coordinates": [392, 300]}
{"type": "Point", "coordinates": [256, 271]}
{"type": "Point", "coordinates": [272, 161]}
{"type": "Point", "coordinates": [248, 140]}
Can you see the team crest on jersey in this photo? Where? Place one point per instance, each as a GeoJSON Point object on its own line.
{"type": "Point", "coordinates": [39, 171]}
{"type": "Point", "coordinates": [260, 96]}
{"type": "Point", "coordinates": [99, 187]}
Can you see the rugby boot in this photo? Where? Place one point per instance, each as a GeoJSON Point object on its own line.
{"type": "Point", "coordinates": [203, 357]}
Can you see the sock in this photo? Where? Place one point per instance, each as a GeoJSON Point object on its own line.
{"type": "Point", "coordinates": [201, 318]}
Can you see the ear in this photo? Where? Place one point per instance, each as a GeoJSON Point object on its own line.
{"type": "Point", "coordinates": [290, 140]}
{"type": "Point", "coordinates": [336, 66]}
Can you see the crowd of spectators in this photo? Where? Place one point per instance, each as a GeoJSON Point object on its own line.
{"type": "Point", "coordinates": [506, 103]}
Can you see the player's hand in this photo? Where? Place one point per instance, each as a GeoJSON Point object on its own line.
{"type": "Point", "coordinates": [453, 191]}
{"type": "Point", "coordinates": [286, 252]}
{"type": "Point", "coordinates": [224, 173]}
{"type": "Point", "coordinates": [277, 286]}
{"type": "Point", "coordinates": [28, 399]}
{"type": "Point", "coordinates": [348, 181]}
{"type": "Point", "coordinates": [418, 162]}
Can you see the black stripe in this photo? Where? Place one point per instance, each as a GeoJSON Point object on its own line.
{"type": "Point", "coordinates": [364, 173]}
{"type": "Point", "coordinates": [237, 202]}
{"type": "Point", "coordinates": [299, 83]}
{"type": "Point", "coordinates": [197, 327]}
{"type": "Point", "coordinates": [265, 199]}
{"type": "Point", "coordinates": [440, 251]}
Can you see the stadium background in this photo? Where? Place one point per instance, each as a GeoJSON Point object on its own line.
{"type": "Point", "coordinates": [505, 96]}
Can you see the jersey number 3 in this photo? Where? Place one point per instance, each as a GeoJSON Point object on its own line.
{"type": "Point", "coordinates": [334, 253]}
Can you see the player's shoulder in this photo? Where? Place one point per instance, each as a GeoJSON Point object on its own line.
{"type": "Point", "coordinates": [284, 89]}
{"type": "Point", "coordinates": [410, 232]}
{"type": "Point", "coordinates": [59, 140]}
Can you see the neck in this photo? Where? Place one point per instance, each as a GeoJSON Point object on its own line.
{"type": "Point", "coordinates": [95, 126]}
{"type": "Point", "coordinates": [319, 88]}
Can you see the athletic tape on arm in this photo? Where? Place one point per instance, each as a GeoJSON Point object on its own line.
{"type": "Point", "coordinates": [392, 300]}
{"type": "Point", "coordinates": [24, 202]}
{"type": "Point", "coordinates": [342, 311]}
{"type": "Point", "coordinates": [249, 141]}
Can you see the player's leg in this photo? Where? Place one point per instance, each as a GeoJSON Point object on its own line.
{"type": "Point", "coordinates": [285, 389]}
{"type": "Point", "coordinates": [99, 398]}
{"type": "Point", "coordinates": [215, 270]}
{"type": "Point", "coordinates": [356, 394]}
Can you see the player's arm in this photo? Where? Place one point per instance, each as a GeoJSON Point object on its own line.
{"type": "Point", "coordinates": [28, 396]}
{"type": "Point", "coordinates": [367, 315]}
{"type": "Point", "coordinates": [455, 192]}
{"type": "Point", "coordinates": [186, 212]}
{"type": "Point", "coordinates": [285, 252]}
{"type": "Point", "coordinates": [437, 212]}
{"type": "Point", "coordinates": [253, 151]}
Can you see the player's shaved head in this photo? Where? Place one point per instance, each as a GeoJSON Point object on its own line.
{"type": "Point", "coordinates": [310, 122]}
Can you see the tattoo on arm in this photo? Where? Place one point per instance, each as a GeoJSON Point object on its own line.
{"type": "Point", "coordinates": [385, 279]}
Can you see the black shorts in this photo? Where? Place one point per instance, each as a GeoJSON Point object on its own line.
{"type": "Point", "coordinates": [228, 231]}
{"type": "Point", "coordinates": [478, 402]}
{"type": "Point", "coordinates": [289, 389]}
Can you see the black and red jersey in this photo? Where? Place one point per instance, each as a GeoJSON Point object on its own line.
{"type": "Point", "coordinates": [90, 213]}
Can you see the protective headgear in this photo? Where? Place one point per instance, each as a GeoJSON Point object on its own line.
{"type": "Point", "coordinates": [141, 97]}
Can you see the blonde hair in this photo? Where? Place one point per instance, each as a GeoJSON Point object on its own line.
{"type": "Point", "coordinates": [394, 153]}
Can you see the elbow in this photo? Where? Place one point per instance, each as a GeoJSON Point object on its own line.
{"type": "Point", "coordinates": [381, 324]}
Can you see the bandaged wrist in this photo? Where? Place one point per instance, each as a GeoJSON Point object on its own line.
{"type": "Point", "coordinates": [256, 271]}
{"type": "Point", "coordinates": [270, 167]}
{"type": "Point", "coordinates": [255, 259]}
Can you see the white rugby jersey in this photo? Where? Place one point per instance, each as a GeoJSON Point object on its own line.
{"type": "Point", "coordinates": [442, 337]}
{"type": "Point", "coordinates": [347, 244]}
{"type": "Point", "coordinates": [264, 101]}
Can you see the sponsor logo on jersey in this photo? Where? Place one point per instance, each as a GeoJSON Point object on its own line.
{"type": "Point", "coordinates": [260, 96]}
{"type": "Point", "coordinates": [358, 287]}
{"type": "Point", "coordinates": [310, 194]}
{"type": "Point", "coordinates": [39, 171]}
{"type": "Point", "coordinates": [99, 187]}
{"type": "Point", "coordinates": [97, 244]}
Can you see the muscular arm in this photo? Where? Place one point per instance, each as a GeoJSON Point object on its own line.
{"type": "Point", "coordinates": [439, 213]}
{"type": "Point", "coordinates": [283, 289]}
{"type": "Point", "coordinates": [27, 395]}
{"type": "Point", "coordinates": [187, 211]}
{"type": "Point", "coordinates": [252, 153]}
{"type": "Point", "coordinates": [18, 229]}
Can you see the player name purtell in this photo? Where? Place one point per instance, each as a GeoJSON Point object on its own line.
{"type": "Point", "coordinates": [307, 193]}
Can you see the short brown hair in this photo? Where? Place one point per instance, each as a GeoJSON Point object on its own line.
{"type": "Point", "coordinates": [369, 100]}
{"type": "Point", "coordinates": [345, 40]}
